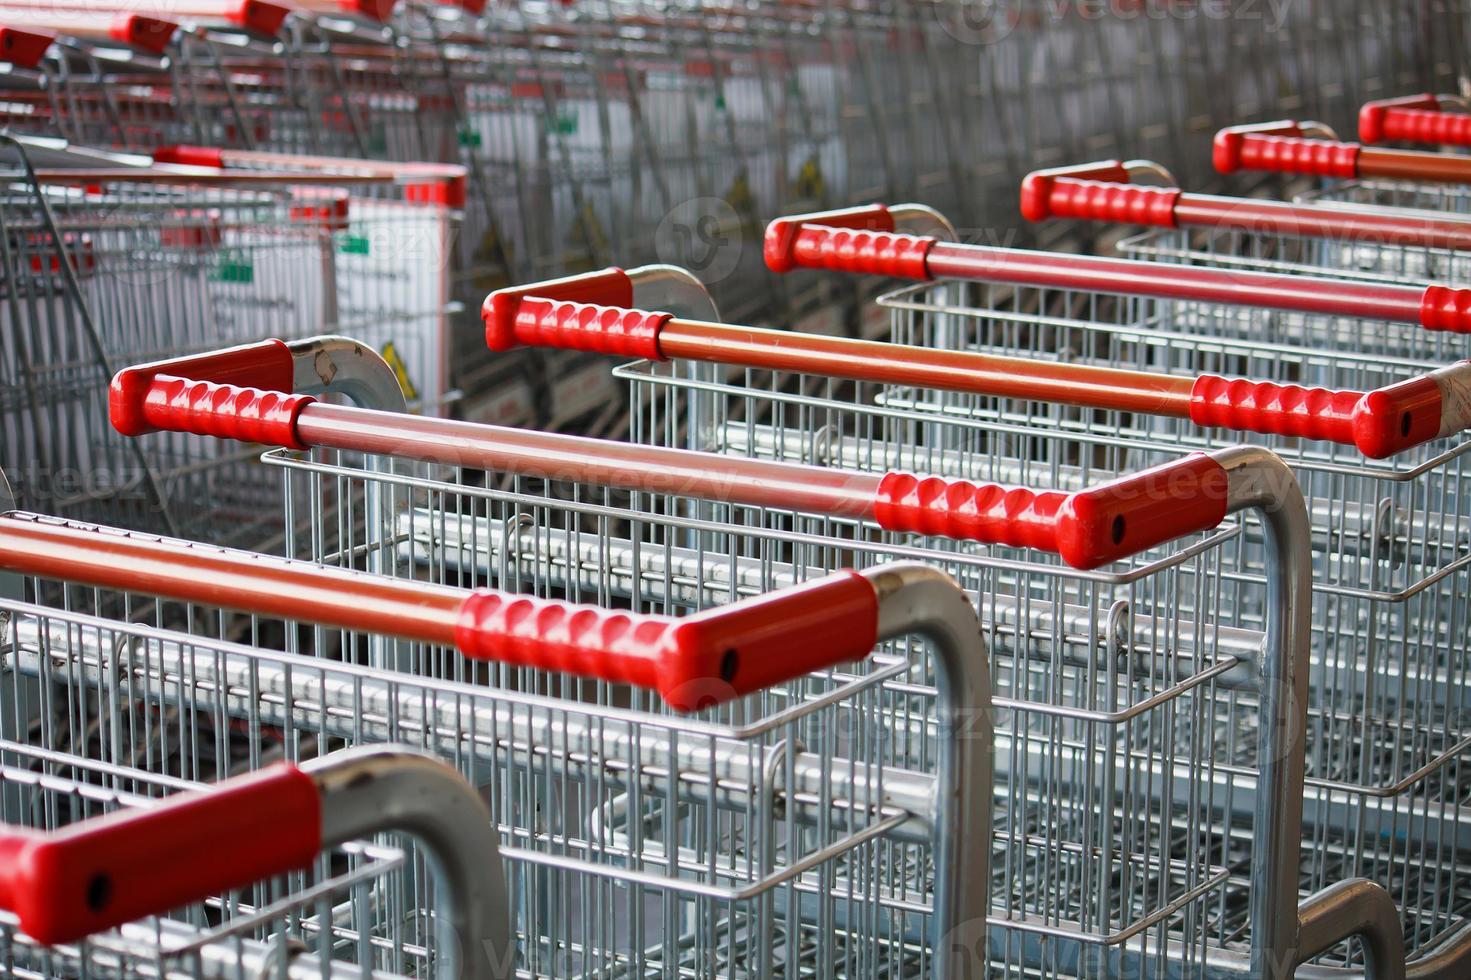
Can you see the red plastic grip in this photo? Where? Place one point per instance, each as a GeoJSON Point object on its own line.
{"type": "Point", "coordinates": [266, 365]}
{"type": "Point", "coordinates": [259, 16]}
{"type": "Point", "coordinates": [874, 253]}
{"type": "Point", "coordinates": [1087, 529]}
{"type": "Point", "coordinates": [23, 48]}
{"type": "Point", "coordinates": [1097, 192]}
{"type": "Point", "coordinates": [328, 211]}
{"type": "Point", "coordinates": [502, 308]}
{"type": "Point", "coordinates": [149, 33]}
{"type": "Point", "coordinates": [860, 239]}
{"type": "Point", "coordinates": [934, 506]}
{"type": "Point", "coordinates": [1379, 423]}
{"type": "Point", "coordinates": [694, 661]}
{"type": "Point", "coordinates": [374, 10]}
{"type": "Point", "coordinates": [190, 156]}
{"type": "Point", "coordinates": [225, 411]}
{"type": "Point", "coordinates": [1413, 119]}
{"type": "Point", "coordinates": [1446, 308]}
{"type": "Point", "coordinates": [583, 326]}
{"type": "Point", "coordinates": [1280, 147]}
{"type": "Point", "coordinates": [779, 245]}
{"type": "Point", "coordinates": [450, 191]}
{"type": "Point", "coordinates": [100, 873]}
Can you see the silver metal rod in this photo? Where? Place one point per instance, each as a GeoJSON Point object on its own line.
{"type": "Point", "coordinates": [1360, 908]}
{"type": "Point", "coordinates": [374, 789]}
{"type": "Point", "coordinates": [918, 599]}
{"type": "Point", "coordinates": [1258, 479]}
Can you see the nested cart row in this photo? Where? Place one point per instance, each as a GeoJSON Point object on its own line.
{"type": "Point", "coordinates": [1186, 742]}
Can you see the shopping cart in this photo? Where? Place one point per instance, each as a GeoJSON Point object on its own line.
{"type": "Point", "coordinates": [638, 838]}
{"type": "Point", "coordinates": [673, 528]}
{"type": "Point", "coordinates": [115, 871]}
{"type": "Point", "coordinates": [321, 78]}
{"type": "Point", "coordinates": [1389, 538]}
{"type": "Point", "coordinates": [394, 241]}
{"type": "Point", "coordinates": [1358, 176]}
{"type": "Point", "coordinates": [125, 75]}
{"type": "Point", "coordinates": [111, 260]}
{"type": "Point", "coordinates": [1376, 244]}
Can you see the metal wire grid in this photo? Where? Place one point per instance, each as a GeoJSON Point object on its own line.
{"type": "Point", "coordinates": [100, 277]}
{"type": "Point", "coordinates": [1077, 731]}
{"type": "Point", "coordinates": [639, 841]}
{"type": "Point", "coordinates": [320, 919]}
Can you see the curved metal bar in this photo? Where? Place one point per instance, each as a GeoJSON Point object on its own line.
{"type": "Point", "coordinates": [1259, 480]}
{"type": "Point", "coordinates": [1356, 907]}
{"type": "Point", "coordinates": [340, 365]}
{"type": "Point", "coordinates": [375, 789]}
{"type": "Point", "coordinates": [670, 289]}
{"type": "Point", "coordinates": [918, 599]}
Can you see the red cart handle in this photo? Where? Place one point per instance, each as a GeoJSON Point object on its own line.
{"type": "Point", "coordinates": [1087, 528]}
{"type": "Point", "coordinates": [23, 48]}
{"type": "Point", "coordinates": [98, 874]}
{"type": "Point", "coordinates": [1098, 192]}
{"type": "Point", "coordinates": [1413, 119]}
{"type": "Point", "coordinates": [1083, 528]}
{"type": "Point", "coordinates": [261, 16]}
{"type": "Point", "coordinates": [151, 34]}
{"type": "Point", "coordinates": [859, 240]}
{"type": "Point", "coordinates": [1379, 423]}
{"type": "Point", "coordinates": [692, 661]}
{"type": "Point", "coordinates": [1280, 147]}
{"type": "Point", "coordinates": [1101, 192]}
{"type": "Point", "coordinates": [240, 393]}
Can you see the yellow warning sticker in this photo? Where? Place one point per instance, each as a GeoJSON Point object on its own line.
{"type": "Point", "coordinates": [400, 370]}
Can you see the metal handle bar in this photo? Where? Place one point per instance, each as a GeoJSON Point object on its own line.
{"type": "Point", "coordinates": [867, 240]}
{"type": "Point", "coordinates": [1102, 192]}
{"type": "Point", "coordinates": [425, 182]}
{"type": "Point", "coordinates": [1282, 147]}
{"type": "Point", "coordinates": [245, 393]}
{"type": "Point", "coordinates": [1416, 119]}
{"type": "Point", "coordinates": [692, 661]}
{"type": "Point", "coordinates": [585, 312]}
{"type": "Point", "coordinates": [259, 16]}
{"type": "Point", "coordinates": [104, 872]}
{"type": "Point", "coordinates": [151, 34]}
